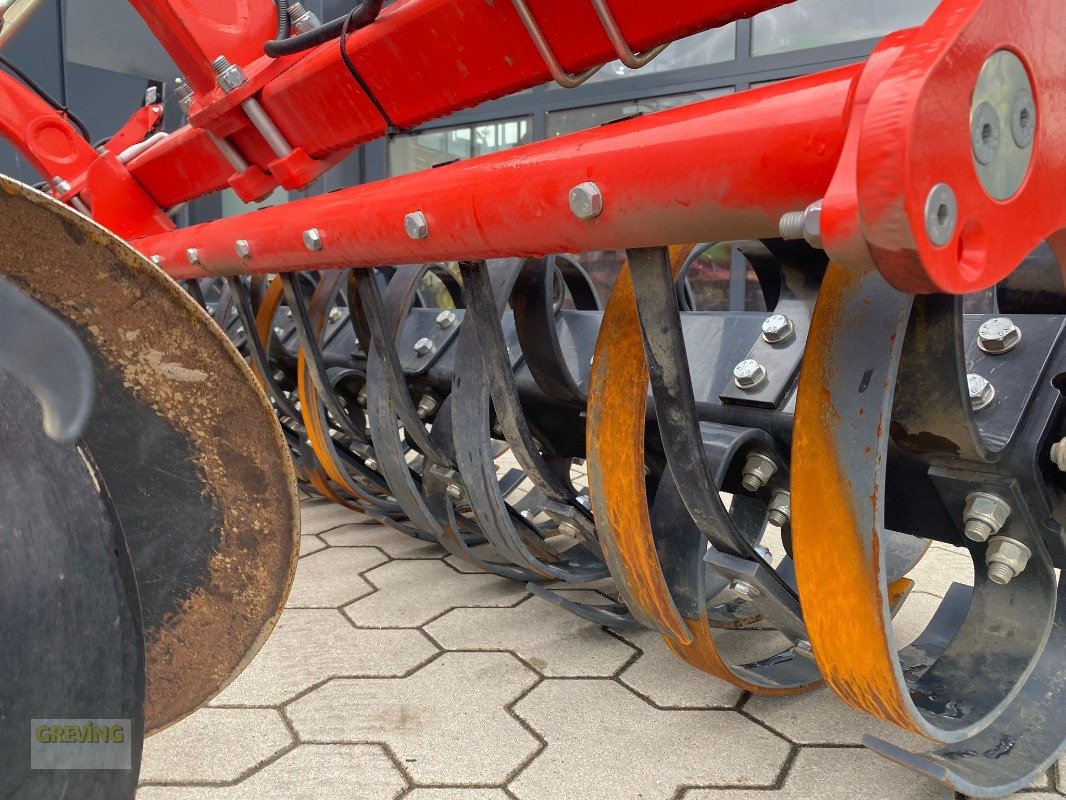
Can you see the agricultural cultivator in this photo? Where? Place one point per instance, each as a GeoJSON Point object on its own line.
{"type": "Point", "coordinates": [429, 351]}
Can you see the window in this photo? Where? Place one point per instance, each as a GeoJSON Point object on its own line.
{"type": "Point", "coordinates": [709, 47]}
{"type": "Point", "coordinates": [417, 151]}
{"type": "Point", "coordinates": [579, 119]}
{"type": "Point", "coordinates": [815, 23]}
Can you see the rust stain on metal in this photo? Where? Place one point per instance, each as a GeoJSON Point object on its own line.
{"type": "Point", "coordinates": [839, 579]}
{"type": "Point", "coordinates": [147, 330]}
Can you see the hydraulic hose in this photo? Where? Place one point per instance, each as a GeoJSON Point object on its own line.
{"type": "Point", "coordinates": [363, 15]}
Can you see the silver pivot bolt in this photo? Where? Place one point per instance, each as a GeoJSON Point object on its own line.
{"type": "Point", "coordinates": [982, 392]}
{"type": "Point", "coordinates": [758, 469]}
{"type": "Point", "coordinates": [335, 314]}
{"type": "Point", "coordinates": [984, 515]}
{"type": "Point", "coordinates": [230, 76]}
{"type": "Point", "coordinates": [749, 373]}
{"type": "Point", "coordinates": [586, 200]}
{"type": "Point", "coordinates": [1006, 559]}
{"type": "Point", "coordinates": [998, 335]}
{"type": "Point", "coordinates": [416, 225]}
{"type": "Point", "coordinates": [776, 328]}
{"type": "Point", "coordinates": [423, 346]}
{"type": "Point", "coordinates": [193, 255]}
{"type": "Point", "coordinates": [745, 589]}
{"type": "Point", "coordinates": [780, 510]}
{"type": "Point", "coordinates": [427, 405]}
{"type": "Point", "coordinates": [455, 491]}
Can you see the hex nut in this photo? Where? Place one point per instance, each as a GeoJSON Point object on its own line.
{"type": "Point", "coordinates": [586, 200]}
{"type": "Point", "coordinates": [423, 346]}
{"type": "Point", "coordinates": [780, 510]}
{"type": "Point", "coordinates": [745, 589]}
{"type": "Point", "coordinates": [998, 335]}
{"type": "Point", "coordinates": [446, 318]}
{"type": "Point", "coordinates": [984, 515]}
{"type": "Point", "coordinates": [758, 469]}
{"type": "Point", "coordinates": [193, 255]}
{"type": "Point", "coordinates": [243, 248]}
{"type": "Point", "coordinates": [335, 314]}
{"type": "Point", "coordinates": [776, 328]}
{"type": "Point", "coordinates": [455, 491]}
{"type": "Point", "coordinates": [416, 225]}
{"type": "Point", "coordinates": [1006, 559]}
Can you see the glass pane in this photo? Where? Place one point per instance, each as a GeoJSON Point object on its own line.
{"type": "Point", "coordinates": [709, 47]}
{"type": "Point", "coordinates": [417, 151]}
{"type": "Point", "coordinates": [815, 23]}
{"type": "Point", "coordinates": [579, 119]}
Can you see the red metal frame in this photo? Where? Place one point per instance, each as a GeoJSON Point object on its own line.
{"type": "Point", "coordinates": [871, 140]}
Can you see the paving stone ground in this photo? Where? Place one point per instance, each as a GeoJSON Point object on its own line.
{"type": "Point", "coordinates": [397, 672]}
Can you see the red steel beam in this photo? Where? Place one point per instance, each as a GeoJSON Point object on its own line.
{"type": "Point", "coordinates": [721, 169]}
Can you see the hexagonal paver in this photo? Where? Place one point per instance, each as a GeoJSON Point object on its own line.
{"type": "Point", "coordinates": [447, 723]}
{"type": "Point", "coordinates": [840, 774]}
{"type": "Point", "coordinates": [391, 542]}
{"type": "Point", "coordinates": [321, 515]}
{"type": "Point", "coordinates": [310, 544]}
{"type": "Point", "coordinates": [547, 637]}
{"type": "Point", "coordinates": [214, 745]}
{"type": "Point", "coordinates": [456, 794]}
{"type": "Point", "coordinates": [410, 593]}
{"type": "Point", "coordinates": [309, 646]}
{"type": "Point", "coordinates": [309, 772]}
{"type": "Point", "coordinates": [667, 681]}
{"type": "Point", "coordinates": [605, 742]}
{"type": "Point", "coordinates": [330, 578]}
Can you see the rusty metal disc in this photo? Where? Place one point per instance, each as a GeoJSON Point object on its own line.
{"type": "Point", "coordinates": [185, 440]}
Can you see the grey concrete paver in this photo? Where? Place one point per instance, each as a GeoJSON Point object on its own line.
{"type": "Point", "coordinates": [547, 637]}
{"type": "Point", "coordinates": [309, 772]}
{"type": "Point", "coordinates": [322, 515]}
{"type": "Point", "coordinates": [393, 543]}
{"type": "Point", "coordinates": [604, 742]}
{"type": "Point", "coordinates": [446, 723]}
{"type": "Point", "coordinates": [310, 544]}
{"type": "Point", "coordinates": [330, 578]}
{"type": "Point", "coordinates": [214, 745]}
{"type": "Point", "coordinates": [309, 646]}
{"type": "Point", "coordinates": [411, 593]}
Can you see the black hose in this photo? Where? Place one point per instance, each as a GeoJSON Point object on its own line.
{"type": "Point", "coordinates": [363, 15]}
{"type": "Point", "coordinates": [284, 23]}
{"type": "Point", "coordinates": [40, 92]}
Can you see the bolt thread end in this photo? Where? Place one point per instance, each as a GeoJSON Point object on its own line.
{"type": "Point", "coordinates": [296, 9]}
{"type": "Point", "coordinates": [777, 517]}
{"type": "Point", "coordinates": [220, 63]}
{"type": "Point", "coordinates": [752, 483]}
{"type": "Point", "coordinates": [1000, 573]}
{"type": "Point", "coordinates": [978, 531]}
{"type": "Point", "coordinates": [791, 225]}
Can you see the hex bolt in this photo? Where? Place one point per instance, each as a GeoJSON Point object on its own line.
{"type": "Point", "coordinates": [998, 335]}
{"type": "Point", "coordinates": [758, 469]}
{"type": "Point", "coordinates": [303, 20]}
{"type": "Point", "coordinates": [985, 133]}
{"type": "Point", "coordinates": [803, 648]}
{"type": "Point", "coordinates": [157, 260]}
{"type": "Point", "coordinates": [335, 314]}
{"type": "Point", "coordinates": [984, 515]}
{"type": "Point", "coordinates": [361, 398]}
{"type": "Point", "coordinates": [230, 76]}
{"type": "Point", "coordinates": [416, 225]}
{"type": "Point", "coordinates": [446, 318]}
{"type": "Point", "coordinates": [244, 250]}
{"type": "Point", "coordinates": [193, 255]}
{"type": "Point", "coordinates": [776, 328]}
{"type": "Point", "coordinates": [1006, 559]}
{"type": "Point", "coordinates": [764, 553]}
{"type": "Point", "coordinates": [806, 224]}
{"type": "Point", "coordinates": [424, 346]}
{"type": "Point", "coordinates": [780, 510]}
{"type": "Point", "coordinates": [749, 373]}
{"type": "Point", "coordinates": [941, 214]}
{"type": "Point", "coordinates": [427, 406]}
{"type": "Point", "coordinates": [184, 94]}
{"type": "Point", "coordinates": [371, 463]}
{"type": "Point", "coordinates": [1023, 119]}
{"type": "Point", "coordinates": [526, 514]}
{"type": "Point", "coordinates": [745, 589]}
{"type": "Point", "coordinates": [982, 392]}
{"type": "Point", "coordinates": [586, 200]}
{"type": "Point", "coordinates": [455, 491]}
{"type": "Point", "coordinates": [313, 239]}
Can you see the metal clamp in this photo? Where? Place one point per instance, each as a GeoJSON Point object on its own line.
{"type": "Point", "coordinates": [570, 80]}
